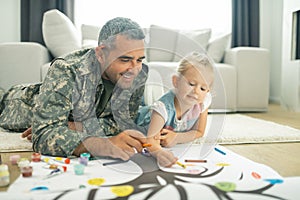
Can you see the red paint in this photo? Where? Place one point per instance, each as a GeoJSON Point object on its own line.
{"type": "Point", "coordinates": [36, 157]}
{"type": "Point", "coordinates": [255, 175]}
{"type": "Point", "coordinates": [26, 171]}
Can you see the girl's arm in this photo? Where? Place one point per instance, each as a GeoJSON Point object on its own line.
{"type": "Point", "coordinates": [156, 124]}
{"type": "Point", "coordinates": [164, 157]}
{"type": "Point", "coordinates": [170, 138]}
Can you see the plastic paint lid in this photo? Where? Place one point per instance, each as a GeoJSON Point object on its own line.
{"type": "Point", "coordinates": [3, 167]}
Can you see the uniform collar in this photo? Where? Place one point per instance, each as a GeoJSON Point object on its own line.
{"type": "Point", "coordinates": [88, 63]}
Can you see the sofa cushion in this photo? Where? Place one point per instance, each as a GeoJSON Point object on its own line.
{"type": "Point", "coordinates": [90, 35]}
{"type": "Point", "coordinates": [170, 45]}
{"type": "Point", "coordinates": [191, 40]}
{"type": "Point", "coordinates": [162, 43]}
{"type": "Point", "coordinates": [60, 34]}
{"type": "Point", "coordinates": [44, 70]}
{"type": "Point", "coordinates": [216, 47]}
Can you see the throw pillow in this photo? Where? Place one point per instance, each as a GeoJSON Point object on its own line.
{"type": "Point", "coordinates": [217, 47]}
{"type": "Point", "coordinates": [162, 43]}
{"type": "Point", "coordinates": [191, 40]}
{"type": "Point", "coordinates": [90, 35]}
{"type": "Point", "coordinates": [59, 33]}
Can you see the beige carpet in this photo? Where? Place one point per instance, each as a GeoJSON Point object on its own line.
{"type": "Point", "coordinates": [10, 142]}
{"type": "Point", "coordinates": [236, 129]}
{"type": "Point", "coordinates": [241, 129]}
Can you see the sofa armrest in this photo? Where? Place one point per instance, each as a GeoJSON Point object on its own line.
{"type": "Point", "coordinates": [252, 66]}
{"type": "Point", "coordinates": [20, 62]}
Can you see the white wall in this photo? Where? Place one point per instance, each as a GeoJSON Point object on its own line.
{"type": "Point", "coordinates": [10, 21]}
{"type": "Point", "coordinates": [290, 72]}
{"type": "Point", "coordinates": [270, 38]}
{"type": "Point", "coordinates": [275, 35]}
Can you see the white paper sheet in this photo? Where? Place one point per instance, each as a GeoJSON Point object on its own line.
{"type": "Point", "coordinates": [222, 176]}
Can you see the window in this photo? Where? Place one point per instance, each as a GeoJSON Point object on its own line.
{"type": "Point", "coordinates": [296, 35]}
{"type": "Point", "coordinates": [187, 14]}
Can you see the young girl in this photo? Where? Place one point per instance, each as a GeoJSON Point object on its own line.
{"type": "Point", "coordinates": [180, 115]}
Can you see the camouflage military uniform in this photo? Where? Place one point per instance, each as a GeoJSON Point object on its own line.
{"type": "Point", "coordinates": [69, 93]}
{"type": "Point", "coordinates": [16, 107]}
{"type": "Point", "coordinates": [2, 92]}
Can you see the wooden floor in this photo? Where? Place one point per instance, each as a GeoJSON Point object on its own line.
{"type": "Point", "coordinates": [282, 157]}
{"type": "Point", "coordinates": [280, 115]}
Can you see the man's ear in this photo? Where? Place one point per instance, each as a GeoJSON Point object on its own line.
{"type": "Point", "coordinates": [100, 53]}
{"type": "Point", "coordinates": [175, 80]}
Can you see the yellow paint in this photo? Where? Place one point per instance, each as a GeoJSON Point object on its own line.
{"type": "Point", "coordinates": [123, 190]}
{"type": "Point", "coordinates": [222, 164]}
{"type": "Point", "coordinates": [96, 181]}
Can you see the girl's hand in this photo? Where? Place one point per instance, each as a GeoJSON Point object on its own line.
{"type": "Point", "coordinates": [168, 138]}
{"type": "Point", "coordinates": [164, 158]}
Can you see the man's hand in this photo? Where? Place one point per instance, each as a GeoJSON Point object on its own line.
{"type": "Point", "coordinates": [27, 134]}
{"type": "Point", "coordinates": [123, 146]}
{"type": "Point", "coordinates": [75, 126]}
{"type": "Point", "coordinates": [129, 141]}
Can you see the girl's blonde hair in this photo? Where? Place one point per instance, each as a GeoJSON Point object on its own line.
{"type": "Point", "coordinates": [200, 61]}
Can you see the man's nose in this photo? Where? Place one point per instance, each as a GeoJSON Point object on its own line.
{"type": "Point", "coordinates": [134, 63]}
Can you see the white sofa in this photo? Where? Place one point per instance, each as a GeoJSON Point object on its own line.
{"type": "Point", "coordinates": [241, 81]}
{"type": "Point", "coordinates": [21, 62]}
{"type": "Point", "coordinates": [242, 73]}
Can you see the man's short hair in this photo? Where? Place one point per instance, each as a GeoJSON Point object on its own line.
{"type": "Point", "coordinates": [120, 26]}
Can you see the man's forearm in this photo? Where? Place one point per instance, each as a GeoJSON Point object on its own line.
{"type": "Point", "coordinates": [96, 146]}
{"type": "Point", "coordinates": [80, 149]}
{"type": "Point", "coordinates": [91, 145]}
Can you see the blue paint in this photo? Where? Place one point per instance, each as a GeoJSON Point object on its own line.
{"type": "Point", "coordinates": [39, 188]}
{"type": "Point", "coordinates": [274, 181]}
{"type": "Point", "coordinates": [145, 152]}
{"type": "Point", "coordinates": [79, 169]}
{"type": "Point", "coordinates": [220, 151]}
{"type": "Point", "coordinates": [55, 171]}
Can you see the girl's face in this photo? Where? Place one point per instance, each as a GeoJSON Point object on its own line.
{"type": "Point", "coordinates": [191, 88]}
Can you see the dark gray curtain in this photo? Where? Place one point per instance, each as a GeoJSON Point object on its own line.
{"type": "Point", "coordinates": [245, 23]}
{"type": "Point", "coordinates": [32, 16]}
{"type": "Point", "coordinates": [298, 35]}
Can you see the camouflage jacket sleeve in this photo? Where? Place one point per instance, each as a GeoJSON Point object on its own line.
{"type": "Point", "coordinates": [50, 132]}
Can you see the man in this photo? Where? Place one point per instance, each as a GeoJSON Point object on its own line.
{"type": "Point", "coordinates": [90, 98]}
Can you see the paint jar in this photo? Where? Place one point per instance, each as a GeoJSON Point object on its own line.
{"type": "Point", "coordinates": [26, 171]}
{"type": "Point", "coordinates": [79, 169]}
{"type": "Point", "coordinates": [4, 175]}
{"type": "Point", "coordinates": [36, 157]}
{"type": "Point", "coordinates": [84, 158]}
{"type": "Point", "coordinates": [14, 159]}
{"type": "Point", "coordinates": [23, 162]}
